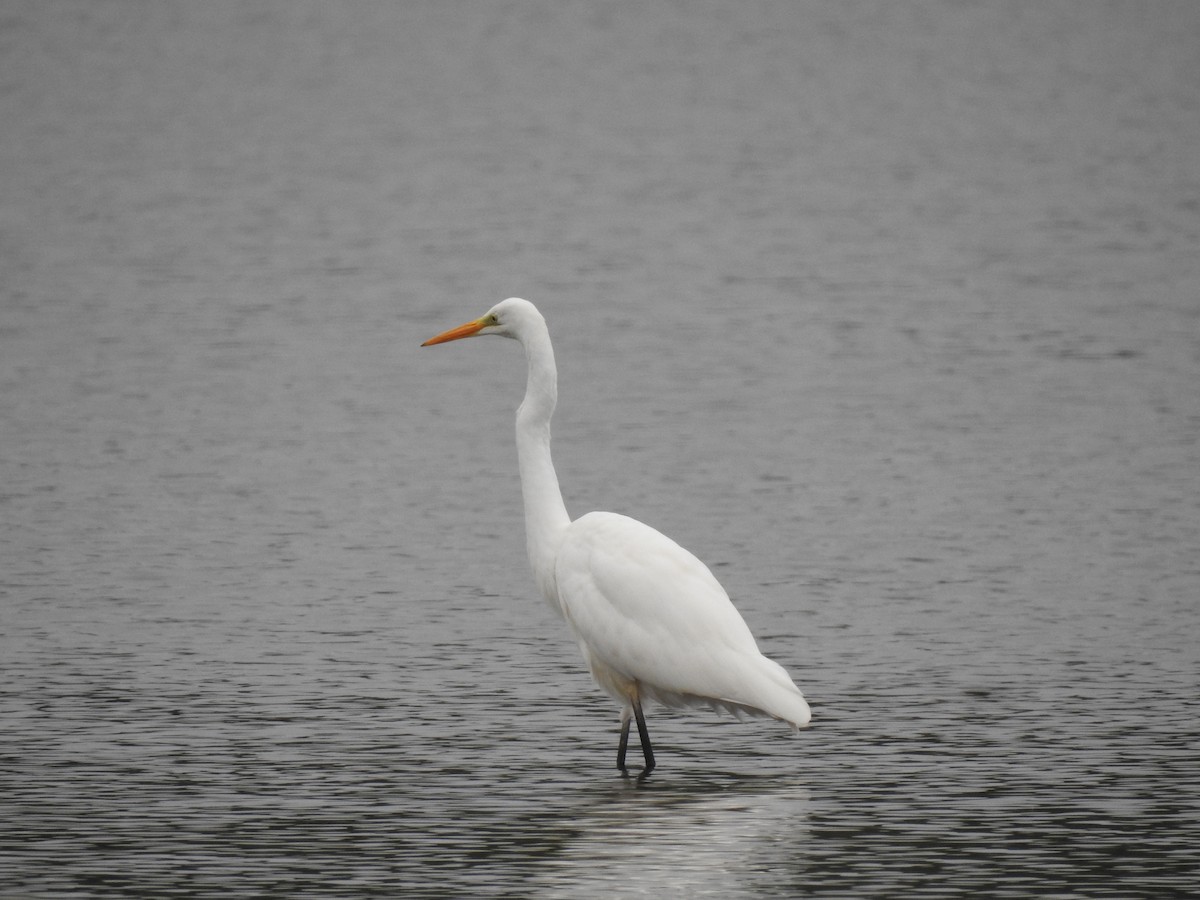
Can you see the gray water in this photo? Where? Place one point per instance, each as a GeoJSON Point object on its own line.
{"type": "Point", "coordinates": [889, 312]}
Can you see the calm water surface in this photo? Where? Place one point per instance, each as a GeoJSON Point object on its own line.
{"type": "Point", "coordinates": [891, 313]}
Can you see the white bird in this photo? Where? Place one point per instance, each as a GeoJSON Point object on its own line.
{"type": "Point", "coordinates": [652, 621]}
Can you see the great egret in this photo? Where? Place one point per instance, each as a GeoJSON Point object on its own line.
{"type": "Point", "coordinates": [652, 621]}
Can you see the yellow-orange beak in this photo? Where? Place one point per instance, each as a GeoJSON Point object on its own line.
{"type": "Point", "coordinates": [454, 334]}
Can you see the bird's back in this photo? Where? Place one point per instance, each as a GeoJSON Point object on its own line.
{"type": "Point", "coordinates": [646, 610]}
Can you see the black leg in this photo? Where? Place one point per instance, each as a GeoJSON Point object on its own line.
{"type": "Point", "coordinates": [621, 746]}
{"type": "Point", "coordinates": [647, 750]}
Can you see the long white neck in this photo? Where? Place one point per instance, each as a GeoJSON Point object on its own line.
{"type": "Point", "coordinates": [546, 518]}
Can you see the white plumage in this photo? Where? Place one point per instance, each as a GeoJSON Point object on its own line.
{"type": "Point", "coordinates": [650, 618]}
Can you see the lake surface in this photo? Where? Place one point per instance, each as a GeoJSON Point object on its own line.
{"type": "Point", "coordinates": [889, 312]}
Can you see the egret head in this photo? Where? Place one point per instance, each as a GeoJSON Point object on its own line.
{"type": "Point", "coordinates": [509, 318]}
